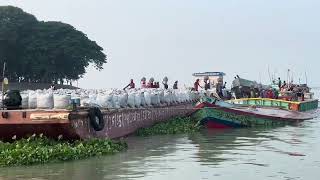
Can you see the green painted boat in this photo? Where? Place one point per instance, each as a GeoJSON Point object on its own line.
{"type": "Point", "coordinates": [219, 114]}
{"type": "Point", "coordinates": [302, 106]}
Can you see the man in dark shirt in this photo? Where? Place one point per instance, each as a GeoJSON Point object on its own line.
{"type": "Point", "coordinates": [206, 84]}
{"type": "Point", "coordinates": [279, 83]}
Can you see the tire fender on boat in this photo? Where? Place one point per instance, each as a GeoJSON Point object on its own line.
{"type": "Point", "coordinates": [96, 119]}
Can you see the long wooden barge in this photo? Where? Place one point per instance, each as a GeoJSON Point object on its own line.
{"type": "Point", "coordinates": [85, 123]}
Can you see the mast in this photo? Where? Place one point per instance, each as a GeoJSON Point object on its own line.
{"type": "Point", "coordinates": [269, 75]}
{"type": "Point", "coordinates": [288, 77]}
{"type": "Point", "coordinates": [305, 73]}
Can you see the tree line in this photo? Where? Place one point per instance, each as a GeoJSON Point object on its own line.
{"type": "Point", "coordinates": [47, 52]}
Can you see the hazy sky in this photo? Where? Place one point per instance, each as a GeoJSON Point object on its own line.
{"type": "Point", "coordinates": [175, 38]}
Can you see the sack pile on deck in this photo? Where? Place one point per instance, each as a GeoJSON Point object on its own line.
{"type": "Point", "coordinates": [106, 98]}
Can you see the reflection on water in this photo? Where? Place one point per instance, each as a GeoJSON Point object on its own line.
{"type": "Point", "coordinates": [291, 152]}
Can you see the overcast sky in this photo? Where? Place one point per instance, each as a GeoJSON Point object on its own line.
{"type": "Point", "coordinates": [175, 38]}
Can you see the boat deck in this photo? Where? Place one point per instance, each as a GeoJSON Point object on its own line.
{"type": "Point", "coordinates": [283, 114]}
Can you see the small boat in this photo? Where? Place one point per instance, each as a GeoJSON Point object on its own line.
{"type": "Point", "coordinates": [214, 113]}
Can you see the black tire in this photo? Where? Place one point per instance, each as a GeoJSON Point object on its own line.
{"type": "Point", "coordinates": [96, 119]}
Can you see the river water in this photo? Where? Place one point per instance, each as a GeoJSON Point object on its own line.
{"type": "Point", "coordinates": [289, 153]}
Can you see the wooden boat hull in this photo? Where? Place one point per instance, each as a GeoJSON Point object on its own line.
{"type": "Point", "coordinates": [213, 116]}
{"type": "Point", "coordinates": [76, 124]}
{"type": "Point", "coordinates": [288, 105]}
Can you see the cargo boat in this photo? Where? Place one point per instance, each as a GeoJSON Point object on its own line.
{"type": "Point", "coordinates": [218, 114]}
{"type": "Point", "coordinates": [296, 97]}
{"type": "Point", "coordinates": [85, 123]}
{"type": "Point", "coordinates": [306, 105]}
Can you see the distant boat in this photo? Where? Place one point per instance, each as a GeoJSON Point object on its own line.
{"type": "Point", "coordinates": [219, 114]}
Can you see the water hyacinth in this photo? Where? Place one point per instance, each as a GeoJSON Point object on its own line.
{"type": "Point", "coordinates": [39, 150]}
{"type": "Point", "coordinates": [176, 125]}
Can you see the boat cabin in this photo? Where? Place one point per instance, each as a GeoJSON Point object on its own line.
{"type": "Point", "coordinates": [213, 77]}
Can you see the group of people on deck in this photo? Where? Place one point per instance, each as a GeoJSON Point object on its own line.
{"type": "Point", "coordinates": [218, 86]}
{"type": "Point", "coordinates": [274, 93]}
{"type": "Point", "coordinates": [151, 84]}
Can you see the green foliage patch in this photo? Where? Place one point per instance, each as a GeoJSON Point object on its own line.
{"type": "Point", "coordinates": [40, 150]}
{"type": "Point", "coordinates": [177, 125]}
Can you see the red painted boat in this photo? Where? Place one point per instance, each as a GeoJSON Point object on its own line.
{"type": "Point", "coordinates": [85, 123]}
{"type": "Point", "coordinates": [219, 114]}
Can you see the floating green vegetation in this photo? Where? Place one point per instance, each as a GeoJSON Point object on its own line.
{"type": "Point", "coordinates": [177, 125]}
{"type": "Point", "coordinates": [39, 150]}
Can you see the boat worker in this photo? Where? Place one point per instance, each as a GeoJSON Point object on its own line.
{"type": "Point", "coordinates": [143, 82]}
{"type": "Point", "coordinates": [219, 88]}
{"type": "Point", "coordinates": [175, 85]}
{"type": "Point", "coordinates": [196, 85]}
{"type": "Point", "coordinates": [206, 84]}
{"type": "Point", "coordinates": [262, 93]}
{"type": "Point", "coordinates": [165, 83]}
{"type": "Point", "coordinates": [276, 94]}
{"type": "Point", "coordinates": [252, 94]}
{"type": "Point", "coordinates": [284, 84]}
{"type": "Point", "coordinates": [279, 83]}
{"type": "Point", "coordinates": [155, 85]}
{"type": "Point", "coordinates": [131, 85]}
{"type": "Point", "coordinates": [150, 83]}
{"type": "Point", "coordinates": [270, 94]}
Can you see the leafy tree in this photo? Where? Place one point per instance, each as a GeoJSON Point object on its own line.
{"type": "Point", "coordinates": [14, 24]}
{"type": "Point", "coordinates": [38, 51]}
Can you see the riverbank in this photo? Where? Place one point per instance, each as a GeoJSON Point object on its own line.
{"type": "Point", "coordinates": [40, 150]}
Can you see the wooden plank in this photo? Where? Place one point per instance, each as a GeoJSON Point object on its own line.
{"type": "Point", "coordinates": [49, 116]}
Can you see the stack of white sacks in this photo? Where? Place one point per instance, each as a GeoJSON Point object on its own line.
{"type": "Point", "coordinates": [107, 98]}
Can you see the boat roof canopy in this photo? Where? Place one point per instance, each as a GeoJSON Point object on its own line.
{"type": "Point", "coordinates": [209, 74]}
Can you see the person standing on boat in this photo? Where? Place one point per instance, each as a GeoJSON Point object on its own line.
{"type": "Point", "coordinates": [165, 83]}
{"type": "Point", "coordinates": [276, 94]}
{"type": "Point", "coordinates": [131, 85]}
{"type": "Point", "coordinates": [150, 83]}
{"type": "Point", "coordinates": [252, 94]}
{"type": "Point", "coordinates": [175, 85]}
{"type": "Point", "coordinates": [143, 82]}
{"type": "Point", "coordinates": [206, 84]}
{"type": "Point", "coordinates": [219, 88]}
{"type": "Point", "coordinates": [279, 83]}
{"type": "Point", "coordinates": [262, 93]}
{"type": "Point", "coordinates": [270, 94]}
{"type": "Point", "coordinates": [196, 85]}
{"type": "Point", "coordinates": [156, 85]}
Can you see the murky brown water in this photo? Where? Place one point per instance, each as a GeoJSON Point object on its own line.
{"type": "Point", "coordinates": [291, 152]}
